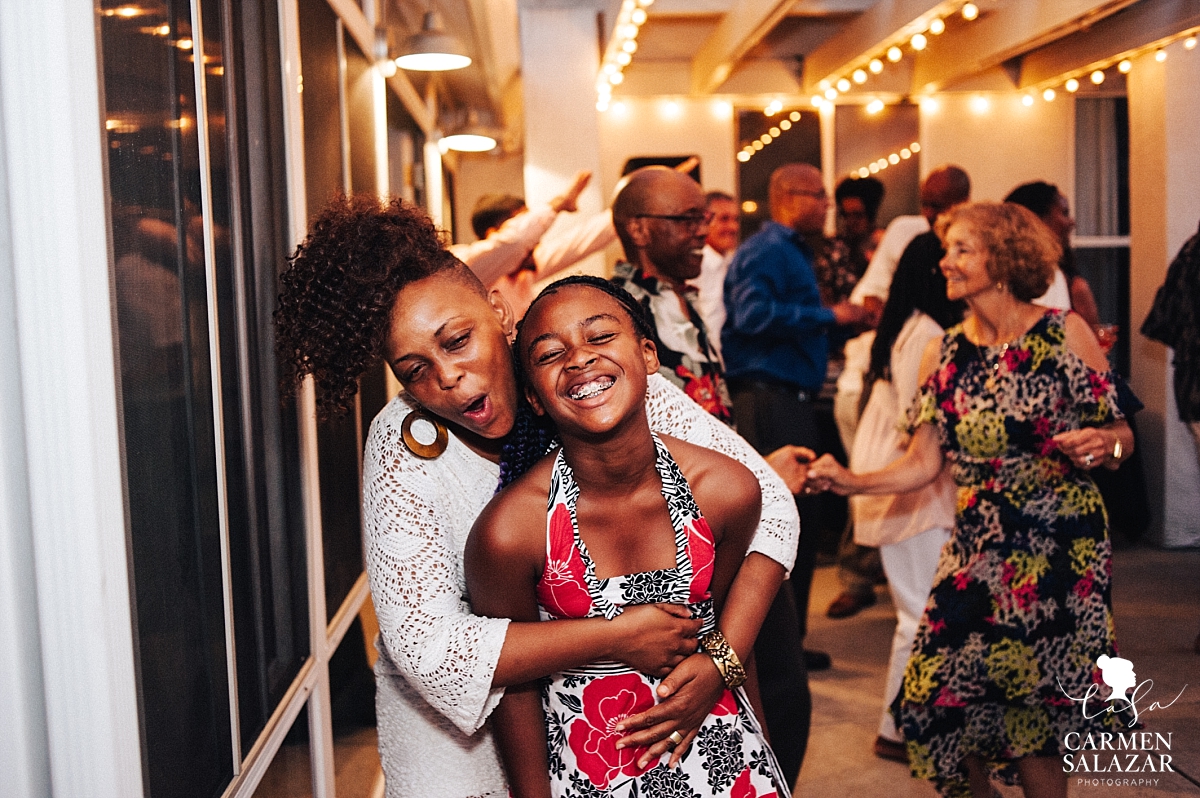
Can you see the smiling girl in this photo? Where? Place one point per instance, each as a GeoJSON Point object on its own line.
{"type": "Point", "coordinates": [634, 518]}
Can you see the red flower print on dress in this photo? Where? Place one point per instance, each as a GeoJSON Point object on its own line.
{"type": "Point", "coordinates": [742, 788]}
{"type": "Point", "coordinates": [726, 706]}
{"type": "Point", "coordinates": [561, 589]}
{"type": "Point", "coordinates": [700, 551]}
{"type": "Point", "coordinates": [702, 388]}
{"type": "Point", "coordinates": [948, 698]}
{"type": "Point", "coordinates": [593, 738]}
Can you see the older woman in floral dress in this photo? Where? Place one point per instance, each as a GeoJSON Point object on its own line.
{"type": "Point", "coordinates": [1020, 402]}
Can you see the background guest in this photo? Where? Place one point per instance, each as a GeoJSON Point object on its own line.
{"type": "Point", "coordinates": [723, 229]}
{"type": "Point", "coordinates": [776, 340]}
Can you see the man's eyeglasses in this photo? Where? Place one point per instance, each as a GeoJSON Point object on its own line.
{"type": "Point", "coordinates": [691, 221]}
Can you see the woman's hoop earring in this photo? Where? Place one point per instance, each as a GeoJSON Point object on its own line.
{"type": "Point", "coordinates": [426, 451]}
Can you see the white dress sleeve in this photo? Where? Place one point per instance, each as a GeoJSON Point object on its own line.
{"type": "Point", "coordinates": [560, 250]}
{"type": "Point", "coordinates": [673, 413]}
{"type": "Point", "coordinates": [416, 518]}
{"type": "Point", "coordinates": [503, 251]}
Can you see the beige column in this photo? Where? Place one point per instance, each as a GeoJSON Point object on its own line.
{"type": "Point", "coordinates": [1164, 170]}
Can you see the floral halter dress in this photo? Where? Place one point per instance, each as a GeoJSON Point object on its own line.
{"type": "Point", "coordinates": [582, 706]}
{"type": "Point", "coordinates": [1021, 606]}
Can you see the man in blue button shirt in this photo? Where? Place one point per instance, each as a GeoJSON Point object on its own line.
{"type": "Point", "coordinates": [776, 337]}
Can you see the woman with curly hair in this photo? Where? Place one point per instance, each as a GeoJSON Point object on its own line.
{"type": "Point", "coordinates": [373, 281]}
{"type": "Point", "coordinates": [1020, 402]}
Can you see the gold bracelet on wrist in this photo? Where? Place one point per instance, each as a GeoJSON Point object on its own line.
{"type": "Point", "coordinates": [725, 658]}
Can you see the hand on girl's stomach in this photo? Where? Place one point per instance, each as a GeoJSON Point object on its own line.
{"type": "Point", "coordinates": [659, 637]}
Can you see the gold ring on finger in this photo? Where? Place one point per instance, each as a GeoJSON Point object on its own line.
{"type": "Point", "coordinates": [676, 738]}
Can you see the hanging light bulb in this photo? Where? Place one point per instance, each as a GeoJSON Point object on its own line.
{"type": "Point", "coordinates": [1160, 56]}
{"type": "Point", "coordinates": [1189, 43]}
{"type": "Point", "coordinates": [1124, 66]}
{"type": "Point", "coordinates": [918, 42]}
{"type": "Point", "coordinates": [860, 76]}
{"type": "Point", "coordinates": [843, 85]}
{"type": "Point", "coordinates": [1048, 95]}
{"type": "Point", "coordinates": [894, 54]}
{"type": "Point", "coordinates": [875, 106]}
{"type": "Point", "coordinates": [433, 50]}
{"type": "Point", "coordinates": [471, 138]}
{"type": "Point", "coordinates": [937, 27]}
{"type": "Point", "coordinates": [1098, 77]}
{"type": "Point", "coordinates": [970, 11]}
{"type": "Point", "coordinates": [1027, 100]}
{"type": "Point", "coordinates": [1072, 85]}
{"type": "Point", "coordinates": [876, 66]}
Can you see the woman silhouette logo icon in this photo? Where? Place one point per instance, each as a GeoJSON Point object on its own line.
{"type": "Point", "coordinates": [1118, 674]}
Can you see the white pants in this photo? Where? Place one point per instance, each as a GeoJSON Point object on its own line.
{"type": "Point", "coordinates": [910, 566]}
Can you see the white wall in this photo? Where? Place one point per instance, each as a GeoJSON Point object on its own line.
{"type": "Point", "coordinates": [666, 126]}
{"type": "Point", "coordinates": [1003, 146]}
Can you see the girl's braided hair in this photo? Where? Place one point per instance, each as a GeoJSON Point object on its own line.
{"type": "Point", "coordinates": [338, 289]}
{"type": "Point", "coordinates": [534, 435]}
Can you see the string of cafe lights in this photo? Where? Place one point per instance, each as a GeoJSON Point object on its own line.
{"type": "Point", "coordinates": [1096, 72]}
{"type": "Point", "coordinates": [891, 159]}
{"type": "Point", "coordinates": [778, 129]}
{"type": "Point", "coordinates": [916, 35]}
{"type": "Point", "coordinates": [619, 52]}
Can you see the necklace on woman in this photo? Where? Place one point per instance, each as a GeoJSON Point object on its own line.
{"type": "Point", "coordinates": [993, 369]}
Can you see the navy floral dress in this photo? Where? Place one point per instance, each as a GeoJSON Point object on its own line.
{"type": "Point", "coordinates": [1021, 605]}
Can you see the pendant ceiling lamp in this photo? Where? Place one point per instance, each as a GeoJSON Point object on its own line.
{"type": "Point", "coordinates": [470, 137]}
{"type": "Point", "coordinates": [433, 49]}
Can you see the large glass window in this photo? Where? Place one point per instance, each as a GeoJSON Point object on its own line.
{"type": "Point", "coordinates": [1102, 211]}
{"type": "Point", "coordinates": [210, 456]}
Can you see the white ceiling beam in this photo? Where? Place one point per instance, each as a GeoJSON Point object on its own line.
{"type": "Point", "coordinates": [1014, 28]}
{"type": "Point", "coordinates": [1003, 31]}
{"type": "Point", "coordinates": [498, 44]}
{"type": "Point", "coordinates": [1141, 25]}
{"type": "Point", "coordinates": [862, 37]}
{"type": "Point", "coordinates": [363, 34]}
{"type": "Point", "coordinates": [742, 27]}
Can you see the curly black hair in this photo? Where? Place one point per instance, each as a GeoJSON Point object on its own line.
{"type": "Point", "coordinates": [532, 436]}
{"type": "Point", "coordinates": [339, 288]}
